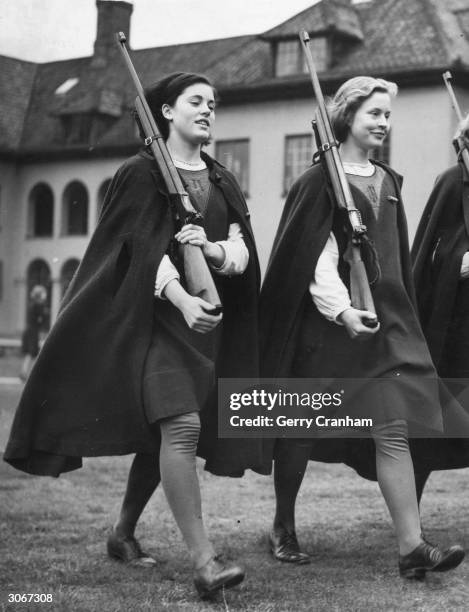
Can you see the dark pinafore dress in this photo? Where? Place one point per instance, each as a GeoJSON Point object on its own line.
{"type": "Point", "coordinates": [398, 351]}
{"type": "Point", "coordinates": [180, 377]}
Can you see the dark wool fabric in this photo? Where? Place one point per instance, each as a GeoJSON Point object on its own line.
{"type": "Point", "coordinates": [296, 340]}
{"type": "Point", "coordinates": [84, 395]}
{"type": "Point", "coordinates": [441, 240]}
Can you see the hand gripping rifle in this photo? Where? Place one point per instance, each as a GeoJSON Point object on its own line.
{"type": "Point", "coordinates": [458, 143]}
{"type": "Point", "coordinates": [360, 293]}
{"type": "Point", "coordinates": [199, 281]}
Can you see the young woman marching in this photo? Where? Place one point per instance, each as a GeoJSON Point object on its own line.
{"type": "Point", "coordinates": [130, 365]}
{"type": "Point", "coordinates": [310, 329]}
{"type": "Point", "coordinates": [440, 253]}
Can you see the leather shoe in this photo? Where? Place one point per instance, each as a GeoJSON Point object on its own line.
{"type": "Point", "coordinates": [215, 575]}
{"type": "Point", "coordinates": [284, 547]}
{"type": "Point", "coordinates": [128, 550]}
{"type": "Point", "coordinates": [429, 558]}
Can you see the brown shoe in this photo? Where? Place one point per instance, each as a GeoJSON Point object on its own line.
{"type": "Point", "coordinates": [215, 575]}
{"type": "Point", "coordinates": [284, 547]}
{"type": "Point", "coordinates": [428, 558]}
{"type": "Point", "coordinates": [128, 550]}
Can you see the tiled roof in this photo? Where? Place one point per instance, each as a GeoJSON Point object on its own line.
{"type": "Point", "coordinates": [338, 16]}
{"type": "Point", "coordinates": [413, 37]}
{"type": "Point", "coordinates": [16, 79]}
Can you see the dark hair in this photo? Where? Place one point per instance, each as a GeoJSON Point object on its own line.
{"type": "Point", "coordinates": [166, 91]}
{"type": "Point", "coordinates": [348, 99]}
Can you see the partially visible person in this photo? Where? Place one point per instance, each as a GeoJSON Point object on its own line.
{"type": "Point", "coordinates": [309, 329]}
{"type": "Point", "coordinates": [35, 320]}
{"type": "Point", "coordinates": [440, 253]}
{"type": "Point", "coordinates": [131, 363]}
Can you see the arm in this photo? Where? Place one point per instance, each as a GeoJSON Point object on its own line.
{"type": "Point", "coordinates": [195, 310]}
{"type": "Point", "coordinates": [226, 257]}
{"type": "Point", "coordinates": [332, 298]}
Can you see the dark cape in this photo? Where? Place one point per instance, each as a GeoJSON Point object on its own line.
{"type": "Point", "coordinates": [307, 220]}
{"type": "Point", "coordinates": [439, 245]}
{"type": "Point", "coordinates": [84, 395]}
{"type": "Point", "coordinates": [440, 242]}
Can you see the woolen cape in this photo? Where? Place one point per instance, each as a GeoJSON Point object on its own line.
{"type": "Point", "coordinates": [307, 220]}
{"type": "Point", "coordinates": [437, 251]}
{"type": "Point", "coordinates": [439, 245]}
{"type": "Point", "coordinates": [84, 395]}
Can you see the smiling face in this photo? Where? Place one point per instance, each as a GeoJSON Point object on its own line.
{"type": "Point", "coordinates": [192, 115]}
{"type": "Point", "coordinates": [370, 123]}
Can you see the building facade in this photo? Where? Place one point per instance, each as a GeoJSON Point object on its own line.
{"type": "Point", "coordinates": [67, 126]}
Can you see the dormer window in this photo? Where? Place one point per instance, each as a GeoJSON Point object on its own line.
{"type": "Point", "coordinates": [290, 57]}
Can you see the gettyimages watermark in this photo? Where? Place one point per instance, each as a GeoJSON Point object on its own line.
{"type": "Point", "coordinates": [317, 407]}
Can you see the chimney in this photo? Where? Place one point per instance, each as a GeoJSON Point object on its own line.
{"type": "Point", "coordinates": [113, 16]}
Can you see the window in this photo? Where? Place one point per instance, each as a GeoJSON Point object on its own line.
{"type": "Point", "coordinates": [298, 157]}
{"type": "Point", "coordinates": [68, 270]}
{"type": "Point", "coordinates": [66, 86]}
{"type": "Point", "coordinates": [41, 211]}
{"type": "Point", "coordinates": [234, 154]}
{"type": "Point", "coordinates": [101, 194]}
{"type": "Point", "coordinates": [75, 210]}
{"type": "Point", "coordinates": [290, 57]}
{"type": "Point", "coordinates": [38, 273]}
{"type": "Point", "coordinates": [383, 153]}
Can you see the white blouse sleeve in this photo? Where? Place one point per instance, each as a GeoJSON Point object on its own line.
{"type": "Point", "coordinates": [166, 272]}
{"type": "Point", "coordinates": [236, 253]}
{"type": "Point", "coordinates": [329, 293]}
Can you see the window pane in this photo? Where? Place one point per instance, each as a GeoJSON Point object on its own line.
{"type": "Point", "coordinates": [319, 51]}
{"type": "Point", "coordinates": [234, 154]}
{"type": "Point", "coordinates": [298, 156]}
{"type": "Point", "coordinates": [288, 57]}
{"type": "Point", "coordinates": [75, 210]}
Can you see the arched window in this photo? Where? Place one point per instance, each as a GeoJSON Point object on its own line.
{"type": "Point", "coordinates": [101, 193]}
{"type": "Point", "coordinates": [66, 275]}
{"type": "Point", "coordinates": [41, 211]}
{"type": "Point", "coordinates": [38, 273]}
{"type": "Point", "coordinates": [75, 210]}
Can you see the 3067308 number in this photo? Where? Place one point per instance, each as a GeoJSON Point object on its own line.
{"type": "Point", "coordinates": [30, 597]}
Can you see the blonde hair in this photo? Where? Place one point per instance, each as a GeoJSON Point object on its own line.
{"type": "Point", "coordinates": [348, 99]}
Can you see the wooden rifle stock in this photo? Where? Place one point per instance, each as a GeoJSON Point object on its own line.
{"type": "Point", "coordinates": [459, 144]}
{"type": "Point", "coordinates": [360, 293]}
{"type": "Point", "coordinates": [199, 281]}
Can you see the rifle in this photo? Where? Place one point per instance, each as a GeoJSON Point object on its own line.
{"type": "Point", "coordinates": [360, 293]}
{"type": "Point", "coordinates": [199, 280]}
{"type": "Point", "coordinates": [458, 143]}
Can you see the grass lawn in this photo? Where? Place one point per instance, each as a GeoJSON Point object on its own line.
{"type": "Point", "coordinates": [53, 535]}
